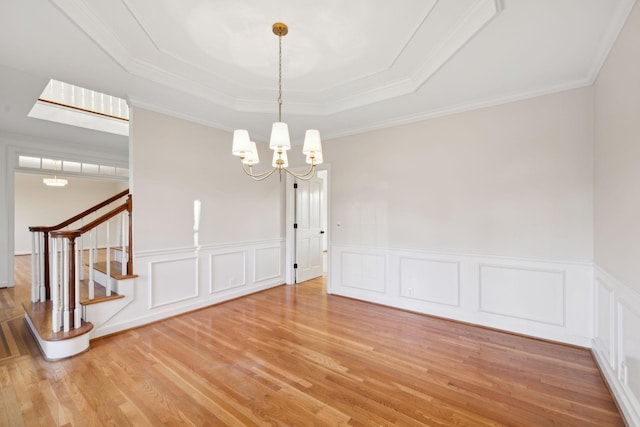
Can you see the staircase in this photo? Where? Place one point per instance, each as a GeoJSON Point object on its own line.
{"type": "Point", "coordinates": [79, 280]}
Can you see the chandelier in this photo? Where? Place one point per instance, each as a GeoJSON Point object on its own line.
{"type": "Point", "coordinates": [54, 182]}
{"type": "Point", "coordinates": [279, 143]}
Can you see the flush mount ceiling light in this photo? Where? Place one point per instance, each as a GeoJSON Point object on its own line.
{"type": "Point", "coordinates": [55, 182]}
{"type": "Point", "coordinates": [280, 142]}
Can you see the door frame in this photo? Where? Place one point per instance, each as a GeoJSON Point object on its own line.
{"type": "Point", "coordinates": [289, 221]}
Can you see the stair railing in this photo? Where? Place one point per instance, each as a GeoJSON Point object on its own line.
{"type": "Point", "coordinates": [40, 245]}
{"type": "Point", "coordinates": [59, 272]}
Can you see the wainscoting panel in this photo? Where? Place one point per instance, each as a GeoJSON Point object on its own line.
{"type": "Point", "coordinates": [227, 270]}
{"type": "Point", "coordinates": [363, 271]}
{"type": "Point", "coordinates": [175, 281]}
{"type": "Point", "coordinates": [629, 349]}
{"type": "Point", "coordinates": [548, 299]}
{"type": "Point", "coordinates": [604, 320]}
{"type": "Point", "coordinates": [530, 294]}
{"type": "Point", "coordinates": [267, 263]}
{"type": "Point", "coordinates": [430, 280]}
{"type": "Point", "coordinates": [616, 344]}
{"type": "Point", "coordinates": [172, 281]}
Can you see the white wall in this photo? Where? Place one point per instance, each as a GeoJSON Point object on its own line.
{"type": "Point", "coordinates": [241, 235]}
{"type": "Point", "coordinates": [11, 146]}
{"type": "Point", "coordinates": [617, 218]}
{"type": "Point", "coordinates": [37, 204]}
{"type": "Point", "coordinates": [508, 180]}
{"type": "Point", "coordinates": [175, 162]}
{"type": "Point", "coordinates": [484, 216]}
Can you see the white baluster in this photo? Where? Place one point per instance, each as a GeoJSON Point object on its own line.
{"type": "Point", "coordinates": [95, 216]}
{"type": "Point", "coordinates": [123, 245]}
{"type": "Point", "coordinates": [81, 249]}
{"type": "Point", "coordinates": [77, 321]}
{"type": "Point", "coordinates": [65, 287]}
{"type": "Point", "coordinates": [35, 292]}
{"type": "Point", "coordinates": [108, 284]}
{"type": "Point", "coordinates": [43, 289]}
{"type": "Point", "coordinates": [55, 287]}
{"type": "Point", "coordinates": [92, 285]}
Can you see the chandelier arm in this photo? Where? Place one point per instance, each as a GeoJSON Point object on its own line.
{"type": "Point", "coordinates": [258, 176]}
{"type": "Point", "coordinates": [262, 178]}
{"type": "Point", "coordinates": [304, 176]}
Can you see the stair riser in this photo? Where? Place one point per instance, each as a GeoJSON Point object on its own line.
{"type": "Point", "coordinates": [100, 312]}
{"type": "Point", "coordinates": [101, 279]}
{"type": "Point", "coordinates": [119, 255]}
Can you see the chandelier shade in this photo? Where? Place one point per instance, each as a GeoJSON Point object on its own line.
{"type": "Point", "coordinates": [251, 158]}
{"type": "Point", "coordinates": [312, 142]}
{"type": "Point", "coordinates": [241, 142]}
{"type": "Point", "coordinates": [280, 137]}
{"type": "Point", "coordinates": [280, 141]}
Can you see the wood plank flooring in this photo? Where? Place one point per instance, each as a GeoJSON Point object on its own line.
{"type": "Point", "coordinates": [295, 356]}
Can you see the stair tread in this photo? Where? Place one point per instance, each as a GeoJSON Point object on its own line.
{"type": "Point", "coordinates": [99, 295]}
{"type": "Point", "coordinates": [116, 268]}
{"type": "Point", "coordinates": [40, 315]}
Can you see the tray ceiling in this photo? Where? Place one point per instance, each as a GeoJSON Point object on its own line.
{"type": "Point", "coordinates": [348, 66]}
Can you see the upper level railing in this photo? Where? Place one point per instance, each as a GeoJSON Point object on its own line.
{"type": "Point", "coordinates": [57, 273]}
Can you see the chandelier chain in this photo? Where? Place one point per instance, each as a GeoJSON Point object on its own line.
{"type": "Point", "coordinates": [279, 77]}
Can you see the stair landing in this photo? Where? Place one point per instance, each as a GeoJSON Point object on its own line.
{"type": "Point", "coordinates": [40, 315]}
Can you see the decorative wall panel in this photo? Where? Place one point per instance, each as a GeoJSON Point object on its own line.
{"type": "Point", "coordinates": [172, 280]}
{"type": "Point", "coordinates": [363, 271]}
{"type": "Point", "coordinates": [227, 270]}
{"type": "Point", "coordinates": [430, 280]}
{"type": "Point", "coordinates": [530, 294]}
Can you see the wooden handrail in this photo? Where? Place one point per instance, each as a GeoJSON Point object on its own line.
{"type": "Point", "coordinates": [80, 215]}
{"type": "Point", "coordinates": [73, 234]}
{"type": "Point", "coordinates": [93, 224]}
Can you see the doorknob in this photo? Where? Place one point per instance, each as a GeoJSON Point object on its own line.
{"type": "Point", "coordinates": [321, 231]}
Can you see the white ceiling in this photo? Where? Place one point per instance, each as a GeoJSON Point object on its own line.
{"type": "Point", "coordinates": [348, 66]}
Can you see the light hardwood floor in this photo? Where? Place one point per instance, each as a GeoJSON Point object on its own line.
{"type": "Point", "coordinates": [293, 355]}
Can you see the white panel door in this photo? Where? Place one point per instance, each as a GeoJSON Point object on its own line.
{"type": "Point", "coordinates": [309, 231]}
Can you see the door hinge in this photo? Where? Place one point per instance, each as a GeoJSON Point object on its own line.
{"type": "Point", "coordinates": [295, 265]}
{"type": "Point", "coordinates": [295, 185]}
{"type": "Point", "coordinates": [295, 225]}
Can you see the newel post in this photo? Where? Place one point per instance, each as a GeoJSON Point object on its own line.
{"type": "Point", "coordinates": [130, 251]}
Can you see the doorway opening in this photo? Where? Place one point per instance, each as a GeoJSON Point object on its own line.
{"type": "Point", "coordinates": [307, 228]}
